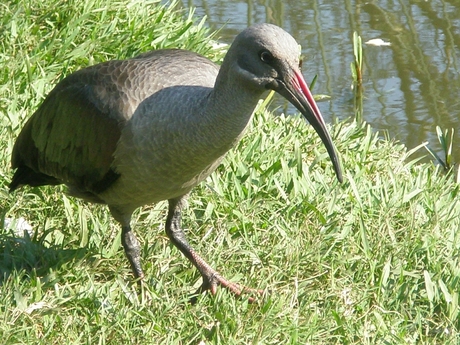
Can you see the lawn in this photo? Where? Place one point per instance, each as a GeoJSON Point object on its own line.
{"type": "Point", "coordinates": [375, 260]}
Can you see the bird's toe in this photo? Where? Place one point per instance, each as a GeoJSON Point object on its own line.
{"type": "Point", "coordinates": [210, 283]}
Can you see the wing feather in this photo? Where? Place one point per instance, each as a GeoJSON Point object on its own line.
{"type": "Point", "coordinates": [73, 134]}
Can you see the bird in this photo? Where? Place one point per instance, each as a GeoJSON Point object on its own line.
{"type": "Point", "coordinates": [126, 133]}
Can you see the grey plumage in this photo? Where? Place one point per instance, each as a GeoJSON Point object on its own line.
{"type": "Point", "coordinates": [128, 133]}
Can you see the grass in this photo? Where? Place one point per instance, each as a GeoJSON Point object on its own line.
{"type": "Point", "coordinates": [356, 68]}
{"type": "Point", "coordinates": [447, 142]}
{"type": "Point", "coordinates": [375, 260]}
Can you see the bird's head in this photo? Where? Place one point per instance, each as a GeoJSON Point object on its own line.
{"type": "Point", "coordinates": [266, 57]}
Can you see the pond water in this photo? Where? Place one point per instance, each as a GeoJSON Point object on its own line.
{"type": "Point", "coordinates": [410, 86]}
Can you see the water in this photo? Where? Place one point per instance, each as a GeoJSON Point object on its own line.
{"type": "Point", "coordinates": [410, 87]}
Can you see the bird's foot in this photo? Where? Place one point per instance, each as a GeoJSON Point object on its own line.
{"type": "Point", "coordinates": [213, 279]}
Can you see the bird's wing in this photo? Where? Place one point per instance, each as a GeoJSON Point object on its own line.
{"type": "Point", "coordinates": [73, 134]}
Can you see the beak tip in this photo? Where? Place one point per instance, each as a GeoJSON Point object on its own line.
{"type": "Point", "coordinates": [340, 178]}
{"type": "Point", "coordinates": [338, 170]}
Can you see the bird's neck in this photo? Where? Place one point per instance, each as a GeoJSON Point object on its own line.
{"type": "Point", "coordinates": [230, 107]}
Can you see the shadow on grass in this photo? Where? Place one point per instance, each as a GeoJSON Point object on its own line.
{"type": "Point", "coordinates": [27, 254]}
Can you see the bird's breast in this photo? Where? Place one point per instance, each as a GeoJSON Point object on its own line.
{"type": "Point", "coordinates": [168, 147]}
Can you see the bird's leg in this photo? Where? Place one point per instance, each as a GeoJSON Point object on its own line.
{"type": "Point", "coordinates": [132, 250]}
{"type": "Point", "coordinates": [129, 240]}
{"type": "Point", "coordinates": [211, 278]}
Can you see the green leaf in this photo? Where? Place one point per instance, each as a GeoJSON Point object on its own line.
{"type": "Point", "coordinates": [429, 286]}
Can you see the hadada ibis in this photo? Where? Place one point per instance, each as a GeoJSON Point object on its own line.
{"type": "Point", "coordinates": [127, 133]}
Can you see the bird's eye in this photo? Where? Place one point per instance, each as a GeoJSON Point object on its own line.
{"type": "Point", "coordinates": [266, 56]}
{"type": "Point", "coordinates": [300, 63]}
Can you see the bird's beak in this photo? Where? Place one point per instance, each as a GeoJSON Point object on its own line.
{"type": "Point", "coordinates": [297, 92]}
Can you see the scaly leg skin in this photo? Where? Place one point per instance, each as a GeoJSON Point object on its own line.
{"type": "Point", "coordinates": [132, 250]}
{"type": "Point", "coordinates": [129, 240]}
{"type": "Point", "coordinates": [211, 278]}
